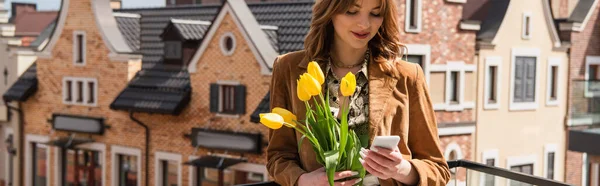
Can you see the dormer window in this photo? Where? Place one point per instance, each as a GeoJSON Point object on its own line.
{"type": "Point", "coordinates": [172, 49]}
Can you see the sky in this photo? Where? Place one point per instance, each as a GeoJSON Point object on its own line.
{"type": "Point", "coordinates": [55, 4]}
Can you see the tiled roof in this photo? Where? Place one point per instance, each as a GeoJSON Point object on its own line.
{"type": "Point", "coordinates": [581, 11]}
{"type": "Point", "coordinates": [190, 29]}
{"type": "Point", "coordinates": [291, 18]}
{"type": "Point", "coordinates": [33, 23]}
{"type": "Point", "coordinates": [129, 25]}
{"type": "Point", "coordinates": [44, 35]}
{"type": "Point", "coordinates": [156, 91]}
{"type": "Point", "coordinates": [263, 107]}
{"type": "Point", "coordinates": [24, 87]}
{"type": "Point", "coordinates": [490, 13]}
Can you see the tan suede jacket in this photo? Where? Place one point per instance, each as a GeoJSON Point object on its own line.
{"type": "Point", "coordinates": [397, 106]}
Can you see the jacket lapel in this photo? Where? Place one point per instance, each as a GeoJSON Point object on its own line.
{"type": "Point", "coordinates": [381, 87]}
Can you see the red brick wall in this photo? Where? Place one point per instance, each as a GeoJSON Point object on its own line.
{"type": "Point", "coordinates": [465, 143]}
{"type": "Point", "coordinates": [573, 168]}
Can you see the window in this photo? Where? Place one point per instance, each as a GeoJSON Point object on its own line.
{"type": "Point", "coordinates": [492, 82]}
{"type": "Point", "coordinates": [126, 166]}
{"type": "Point", "coordinates": [227, 44]}
{"type": "Point", "coordinates": [592, 76]}
{"type": "Point", "coordinates": [550, 166]}
{"type": "Point", "coordinates": [454, 87]}
{"type": "Point", "coordinates": [80, 91]}
{"type": "Point", "coordinates": [79, 48]}
{"type": "Point", "coordinates": [524, 79]}
{"type": "Point", "coordinates": [489, 178]}
{"type": "Point", "coordinates": [81, 167]}
{"type": "Point", "coordinates": [527, 169]}
{"type": "Point", "coordinates": [228, 98]}
{"type": "Point", "coordinates": [549, 160]}
{"type": "Point", "coordinates": [210, 176]}
{"type": "Point", "coordinates": [490, 158]}
{"type": "Point", "coordinates": [128, 170]}
{"type": "Point", "coordinates": [418, 59]}
{"type": "Point", "coordinates": [413, 16]}
{"type": "Point", "coordinates": [39, 164]}
{"type": "Point", "coordinates": [553, 83]}
{"type": "Point", "coordinates": [168, 169]}
{"type": "Point", "coordinates": [526, 25]}
{"type": "Point", "coordinates": [522, 164]}
{"type": "Point", "coordinates": [173, 50]}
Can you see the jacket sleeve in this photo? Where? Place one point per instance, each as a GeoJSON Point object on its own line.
{"type": "Point", "coordinates": [282, 151]}
{"type": "Point", "coordinates": [423, 139]}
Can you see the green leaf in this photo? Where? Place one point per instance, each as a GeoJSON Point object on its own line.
{"type": "Point", "coordinates": [331, 158]}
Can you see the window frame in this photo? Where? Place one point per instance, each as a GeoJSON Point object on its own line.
{"type": "Point", "coordinates": [512, 161]}
{"type": "Point", "coordinates": [224, 50]}
{"type": "Point", "coordinates": [75, 52]}
{"type": "Point", "coordinates": [590, 60]}
{"type": "Point", "coordinates": [524, 52]}
{"type": "Point", "coordinates": [486, 155]}
{"type": "Point", "coordinates": [75, 92]}
{"type": "Point", "coordinates": [179, 51]}
{"type": "Point", "coordinates": [526, 26]}
{"type": "Point", "coordinates": [422, 50]}
{"type": "Point", "coordinates": [166, 156]}
{"type": "Point", "coordinates": [553, 62]}
{"type": "Point", "coordinates": [117, 150]}
{"type": "Point", "coordinates": [409, 15]}
{"type": "Point", "coordinates": [220, 112]}
{"type": "Point", "coordinates": [40, 140]}
{"type": "Point", "coordinates": [550, 148]}
{"type": "Point", "coordinates": [495, 61]}
{"type": "Point", "coordinates": [94, 146]}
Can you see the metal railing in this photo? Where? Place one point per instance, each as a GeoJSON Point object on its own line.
{"type": "Point", "coordinates": [512, 176]}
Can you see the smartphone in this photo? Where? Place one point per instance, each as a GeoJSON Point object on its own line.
{"type": "Point", "coordinates": [389, 142]}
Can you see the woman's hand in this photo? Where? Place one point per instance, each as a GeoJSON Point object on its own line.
{"type": "Point", "coordinates": [386, 163]}
{"type": "Point", "coordinates": [319, 178]}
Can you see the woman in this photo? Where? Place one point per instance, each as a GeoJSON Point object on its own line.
{"type": "Point", "coordinates": [391, 98]}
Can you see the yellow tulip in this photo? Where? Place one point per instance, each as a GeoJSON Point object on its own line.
{"type": "Point", "coordinates": [288, 116]}
{"type": "Point", "coordinates": [302, 95]}
{"type": "Point", "coordinates": [271, 120]}
{"type": "Point", "coordinates": [348, 84]}
{"type": "Point", "coordinates": [315, 70]}
{"type": "Point", "coordinates": [310, 84]}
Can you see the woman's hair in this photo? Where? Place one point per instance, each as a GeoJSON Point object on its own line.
{"type": "Point", "coordinates": [385, 45]}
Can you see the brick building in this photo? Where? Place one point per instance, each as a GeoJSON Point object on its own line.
{"type": "Point", "coordinates": [578, 26]}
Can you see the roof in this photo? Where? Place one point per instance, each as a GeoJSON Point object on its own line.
{"type": "Point", "coordinates": [581, 11]}
{"type": "Point", "coordinates": [33, 23]}
{"type": "Point", "coordinates": [44, 35]}
{"type": "Point", "coordinates": [107, 25]}
{"type": "Point", "coordinates": [490, 18]}
{"type": "Point", "coordinates": [24, 87]}
{"type": "Point", "coordinates": [129, 25]}
{"type": "Point", "coordinates": [263, 107]}
{"type": "Point", "coordinates": [189, 29]}
{"type": "Point", "coordinates": [156, 90]}
{"type": "Point", "coordinates": [291, 18]}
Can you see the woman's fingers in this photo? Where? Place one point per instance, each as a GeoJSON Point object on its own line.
{"type": "Point", "coordinates": [344, 174]}
{"type": "Point", "coordinates": [347, 183]}
{"type": "Point", "coordinates": [393, 155]}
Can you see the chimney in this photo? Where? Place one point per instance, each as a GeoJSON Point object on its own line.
{"type": "Point", "coordinates": [20, 8]}
{"type": "Point", "coordinates": [116, 4]}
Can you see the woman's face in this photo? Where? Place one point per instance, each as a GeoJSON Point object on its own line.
{"type": "Point", "coordinates": [357, 26]}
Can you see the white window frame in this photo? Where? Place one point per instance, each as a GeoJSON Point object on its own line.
{"type": "Point", "coordinates": [40, 140]}
{"type": "Point", "coordinates": [192, 172]}
{"type": "Point", "coordinates": [419, 15]}
{"type": "Point", "coordinates": [8, 131]}
{"type": "Point", "coordinates": [222, 43]}
{"type": "Point", "coordinates": [94, 146]}
{"type": "Point", "coordinates": [486, 155]}
{"type": "Point", "coordinates": [421, 50]}
{"type": "Point", "coordinates": [128, 151]}
{"type": "Point", "coordinates": [549, 148]}
{"type": "Point", "coordinates": [524, 52]}
{"type": "Point", "coordinates": [553, 62]}
{"type": "Point", "coordinates": [75, 48]}
{"type": "Point", "coordinates": [590, 60]}
{"type": "Point", "coordinates": [453, 66]}
{"type": "Point", "coordinates": [525, 26]}
{"type": "Point", "coordinates": [159, 156]}
{"type": "Point", "coordinates": [521, 160]}
{"type": "Point", "coordinates": [220, 109]}
{"type": "Point", "coordinates": [86, 94]}
{"type": "Point", "coordinates": [490, 61]}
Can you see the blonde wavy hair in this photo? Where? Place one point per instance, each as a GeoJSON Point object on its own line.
{"type": "Point", "coordinates": [385, 46]}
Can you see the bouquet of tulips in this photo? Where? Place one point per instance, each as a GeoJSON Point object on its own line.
{"type": "Point", "coordinates": [337, 148]}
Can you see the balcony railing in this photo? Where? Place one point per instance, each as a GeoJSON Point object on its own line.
{"type": "Point", "coordinates": [480, 174]}
{"type": "Point", "coordinates": [585, 102]}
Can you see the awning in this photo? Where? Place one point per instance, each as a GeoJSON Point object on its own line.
{"type": "Point", "coordinates": [24, 87]}
{"type": "Point", "coordinates": [263, 107]}
{"type": "Point", "coordinates": [583, 141]}
{"type": "Point", "coordinates": [68, 143]}
{"type": "Point", "coordinates": [215, 162]}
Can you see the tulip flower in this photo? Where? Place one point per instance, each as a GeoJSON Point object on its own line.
{"type": "Point", "coordinates": [310, 84]}
{"type": "Point", "coordinates": [271, 120]}
{"type": "Point", "coordinates": [348, 84]}
{"type": "Point", "coordinates": [288, 116]}
{"type": "Point", "coordinates": [302, 95]}
{"type": "Point", "coordinates": [315, 70]}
